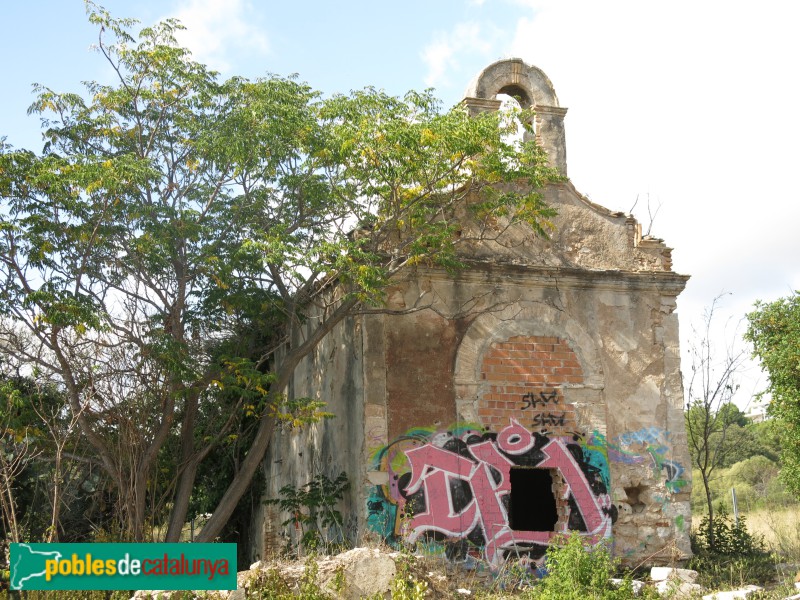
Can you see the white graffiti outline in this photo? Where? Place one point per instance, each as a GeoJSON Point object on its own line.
{"type": "Point", "coordinates": [434, 468]}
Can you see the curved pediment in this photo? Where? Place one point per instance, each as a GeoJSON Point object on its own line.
{"type": "Point", "coordinates": [585, 235]}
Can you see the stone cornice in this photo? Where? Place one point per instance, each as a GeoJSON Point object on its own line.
{"type": "Point", "coordinates": [550, 110]}
{"type": "Point", "coordinates": [513, 273]}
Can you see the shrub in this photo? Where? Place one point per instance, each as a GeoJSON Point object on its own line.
{"type": "Point", "coordinates": [737, 556]}
{"type": "Point", "coordinates": [575, 572]}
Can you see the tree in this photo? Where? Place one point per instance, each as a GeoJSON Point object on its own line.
{"type": "Point", "coordinates": [160, 256]}
{"type": "Point", "coordinates": [709, 395]}
{"type": "Point", "coordinates": [745, 442]}
{"type": "Point", "coordinates": [18, 450]}
{"type": "Point", "coordinates": [774, 330]}
{"type": "Point", "coordinates": [38, 459]}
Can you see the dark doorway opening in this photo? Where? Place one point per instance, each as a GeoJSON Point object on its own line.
{"type": "Point", "coordinates": [533, 504]}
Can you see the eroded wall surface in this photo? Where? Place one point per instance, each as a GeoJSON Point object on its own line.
{"type": "Point", "coordinates": [555, 373]}
{"type": "Point", "coordinates": [333, 373]}
{"type": "Point", "coordinates": [508, 366]}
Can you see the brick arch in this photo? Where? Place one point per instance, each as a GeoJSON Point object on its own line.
{"type": "Point", "coordinates": [524, 378]}
{"type": "Point", "coordinates": [578, 358]}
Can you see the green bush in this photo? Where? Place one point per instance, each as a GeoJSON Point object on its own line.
{"type": "Point", "coordinates": [736, 557]}
{"type": "Point", "coordinates": [270, 585]}
{"type": "Point", "coordinates": [575, 572]}
{"type": "Point", "coordinates": [312, 508]}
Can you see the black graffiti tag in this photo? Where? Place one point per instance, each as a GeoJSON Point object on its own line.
{"type": "Point", "coordinates": [549, 418]}
{"type": "Point", "coordinates": [531, 400]}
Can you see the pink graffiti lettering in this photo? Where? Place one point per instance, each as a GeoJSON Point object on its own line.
{"type": "Point", "coordinates": [558, 457]}
{"type": "Point", "coordinates": [515, 439]}
{"type": "Point", "coordinates": [433, 469]}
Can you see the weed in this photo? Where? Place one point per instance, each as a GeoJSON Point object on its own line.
{"type": "Point", "coordinates": [339, 580]}
{"type": "Point", "coordinates": [737, 556]}
{"type": "Point", "coordinates": [579, 573]}
{"type": "Point", "coordinates": [405, 585]}
{"type": "Point", "coordinates": [312, 509]}
{"type": "Point", "coordinates": [270, 585]}
{"type": "Point", "coordinates": [309, 582]}
{"type": "Point", "coordinates": [780, 529]}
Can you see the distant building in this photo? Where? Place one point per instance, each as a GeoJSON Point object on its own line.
{"type": "Point", "coordinates": [540, 394]}
{"type": "Point", "coordinates": [757, 410]}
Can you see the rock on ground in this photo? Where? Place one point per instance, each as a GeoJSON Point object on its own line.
{"type": "Point", "coordinates": [733, 594]}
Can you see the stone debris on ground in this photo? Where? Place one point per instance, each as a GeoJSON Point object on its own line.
{"type": "Point", "coordinates": [664, 573]}
{"type": "Point", "coordinates": [744, 592]}
{"type": "Point", "coordinates": [361, 572]}
{"type": "Point", "coordinates": [676, 589]}
{"type": "Point", "coordinates": [635, 584]}
{"type": "Point", "coordinates": [675, 583]}
{"type": "Point", "coordinates": [369, 572]}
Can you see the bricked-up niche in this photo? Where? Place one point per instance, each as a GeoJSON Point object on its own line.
{"type": "Point", "coordinates": [524, 379]}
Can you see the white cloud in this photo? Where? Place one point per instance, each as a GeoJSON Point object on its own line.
{"type": "Point", "coordinates": [444, 54]}
{"type": "Point", "coordinates": [217, 28]}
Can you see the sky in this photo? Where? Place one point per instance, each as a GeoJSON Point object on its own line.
{"type": "Point", "coordinates": [690, 106]}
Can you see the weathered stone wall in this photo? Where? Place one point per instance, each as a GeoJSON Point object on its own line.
{"type": "Point", "coordinates": [587, 362]}
{"type": "Point", "coordinates": [532, 88]}
{"type": "Point", "coordinates": [584, 236]}
{"type": "Point", "coordinates": [333, 374]}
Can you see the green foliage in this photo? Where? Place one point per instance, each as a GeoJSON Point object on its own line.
{"type": "Point", "coordinates": [716, 436]}
{"type": "Point", "coordinates": [730, 539]}
{"type": "Point", "coordinates": [731, 415]}
{"type": "Point", "coordinates": [756, 483]}
{"type": "Point", "coordinates": [312, 509]}
{"type": "Point", "coordinates": [774, 330]}
{"type": "Point", "coordinates": [298, 412]}
{"type": "Point", "coordinates": [309, 584]}
{"type": "Point", "coordinates": [575, 572]}
{"type": "Point", "coordinates": [726, 553]}
{"type": "Point", "coordinates": [339, 580]}
{"type": "Point", "coordinates": [743, 442]}
{"type": "Point", "coordinates": [749, 463]}
{"type": "Point", "coordinates": [710, 414]}
{"type": "Point", "coordinates": [406, 585]}
{"type": "Point", "coordinates": [34, 428]}
{"type": "Point", "coordinates": [269, 584]}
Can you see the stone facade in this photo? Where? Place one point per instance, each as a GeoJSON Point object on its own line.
{"type": "Point", "coordinates": [538, 392]}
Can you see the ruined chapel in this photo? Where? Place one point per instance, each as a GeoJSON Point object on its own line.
{"type": "Point", "coordinates": [540, 393]}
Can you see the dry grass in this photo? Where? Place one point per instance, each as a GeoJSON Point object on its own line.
{"type": "Point", "coordinates": [780, 529]}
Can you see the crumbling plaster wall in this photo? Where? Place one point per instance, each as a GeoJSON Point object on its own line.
{"type": "Point", "coordinates": [596, 286]}
{"type": "Point", "coordinates": [584, 235]}
{"type": "Point", "coordinates": [622, 328]}
{"type": "Point", "coordinates": [333, 373]}
{"type": "Point", "coordinates": [385, 375]}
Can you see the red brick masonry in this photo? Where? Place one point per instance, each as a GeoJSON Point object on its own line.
{"type": "Point", "coordinates": [525, 377]}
